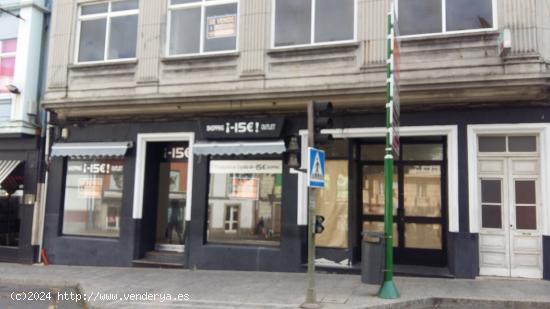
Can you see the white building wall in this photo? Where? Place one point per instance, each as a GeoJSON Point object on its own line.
{"type": "Point", "coordinates": [28, 30]}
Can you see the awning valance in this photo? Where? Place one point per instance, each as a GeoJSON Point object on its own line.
{"type": "Point", "coordinates": [90, 150]}
{"type": "Point", "coordinates": [239, 148]}
{"type": "Point", "coordinates": [6, 168]}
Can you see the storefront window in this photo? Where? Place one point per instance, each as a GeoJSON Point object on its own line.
{"type": "Point", "coordinates": [332, 203]}
{"type": "Point", "coordinates": [373, 190]}
{"type": "Point", "coordinates": [244, 202]}
{"type": "Point", "coordinates": [93, 197]}
{"type": "Point", "coordinates": [11, 207]}
{"type": "Point", "coordinates": [10, 217]}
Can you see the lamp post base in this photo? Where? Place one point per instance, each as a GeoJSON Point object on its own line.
{"type": "Point", "coordinates": [388, 290]}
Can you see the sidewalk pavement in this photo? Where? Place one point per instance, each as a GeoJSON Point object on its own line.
{"type": "Point", "coordinates": [232, 289]}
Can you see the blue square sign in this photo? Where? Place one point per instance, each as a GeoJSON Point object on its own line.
{"type": "Point", "coordinates": [315, 168]}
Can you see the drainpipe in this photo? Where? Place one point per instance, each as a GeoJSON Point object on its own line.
{"type": "Point", "coordinates": [45, 133]}
{"type": "Point", "coordinates": [44, 162]}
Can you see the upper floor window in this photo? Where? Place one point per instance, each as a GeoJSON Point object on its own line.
{"type": "Point", "coordinates": [5, 109]}
{"type": "Point", "coordinates": [107, 31]}
{"type": "Point", "coordinates": [202, 26]}
{"type": "Point", "coordinates": [307, 22]}
{"type": "Point", "coordinates": [441, 16]}
{"type": "Point", "coordinates": [7, 63]}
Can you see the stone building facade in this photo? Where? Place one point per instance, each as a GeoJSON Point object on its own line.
{"type": "Point", "coordinates": [152, 95]}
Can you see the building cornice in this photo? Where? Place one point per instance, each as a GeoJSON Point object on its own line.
{"type": "Point", "coordinates": [17, 5]}
{"type": "Point", "coordinates": [428, 94]}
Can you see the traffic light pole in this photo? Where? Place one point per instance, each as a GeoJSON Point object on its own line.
{"type": "Point", "coordinates": [311, 298]}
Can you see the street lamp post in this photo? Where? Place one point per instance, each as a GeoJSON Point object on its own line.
{"type": "Point", "coordinates": [388, 289]}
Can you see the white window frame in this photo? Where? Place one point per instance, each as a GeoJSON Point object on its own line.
{"type": "Point", "coordinates": [501, 180]}
{"type": "Point", "coordinates": [108, 15]}
{"type": "Point", "coordinates": [232, 218]}
{"type": "Point", "coordinates": [203, 4]}
{"type": "Point", "coordinates": [141, 158]}
{"type": "Point", "coordinates": [453, 172]}
{"type": "Point", "coordinates": [312, 29]}
{"type": "Point", "coordinates": [7, 97]}
{"type": "Point", "coordinates": [542, 130]}
{"type": "Point", "coordinates": [444, 31]}
{"type": "Point", "coordinates": [7, 55]}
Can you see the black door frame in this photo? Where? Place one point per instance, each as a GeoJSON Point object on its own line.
{"type": "Point", "coordinates": [402, 255]}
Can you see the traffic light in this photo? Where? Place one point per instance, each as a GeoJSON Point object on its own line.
{"type": "Point", "coordinates": [292, 155]}
{"type": "Point", "coordinates": [319, 228]}
{"type": "Point", "coordinates": [322, 119]}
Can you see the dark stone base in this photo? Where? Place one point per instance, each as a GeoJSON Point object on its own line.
{"type": "Point", "coordinates": [546, 257]}
{"type": "Point", "coordinates": [463, 255]}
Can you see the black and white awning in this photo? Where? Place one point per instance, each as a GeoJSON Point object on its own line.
{"type": "Point", "coordinates": [91, 150]}
{"type": "Point", "coordinates": [6, 168]}
{"type": "Point", "coordinates": [239, 148]}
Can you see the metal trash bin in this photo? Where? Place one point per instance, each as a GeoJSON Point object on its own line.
{"type": "Point", "coordinates": [372, 258]}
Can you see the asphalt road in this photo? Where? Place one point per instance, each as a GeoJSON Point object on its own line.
{"type": "Point", "coordinates": [33, 297]}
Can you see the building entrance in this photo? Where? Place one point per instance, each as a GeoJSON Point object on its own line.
{"type": "Point", "coordinates": [419, 209]}
{"type": "Point", "coordinates": [172, 196]}
{"type": "Point", "coordinates": [510, 207]}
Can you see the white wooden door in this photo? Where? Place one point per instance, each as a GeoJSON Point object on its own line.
{"type": "Point", "coordinates": [510, 238]}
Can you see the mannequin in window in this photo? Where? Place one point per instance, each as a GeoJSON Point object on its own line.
{"type": "Point", "coordinates": [174, 221]}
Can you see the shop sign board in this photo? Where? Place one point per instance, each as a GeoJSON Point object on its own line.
{"type": "Point", "coordinates": [94, 168]}
{"type": "Point", "coordinates": [174, 152]}
{"type": "Point", "coordinates": [315, 168]}
{"type": "Point", "coordinates": [242, 128]}
{"type": "Point", "coordinates": [246, 167]}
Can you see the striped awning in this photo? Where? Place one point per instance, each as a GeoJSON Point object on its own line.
{"type": "Point", "coordinates": [7, 167]}
{"type": "Point", "coordinates": [91, 150]}
{"type": "Point", "coordinates": [239, 148]}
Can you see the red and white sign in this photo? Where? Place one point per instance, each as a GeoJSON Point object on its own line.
{"type": "Point", "coordinates": [222, 26]}
{"type": "Point", "coordinates": [90, 188]}
{"type": "Point", "coordinates": [245, 188]}
{"type": "Point", "coordinates": [396, 103]}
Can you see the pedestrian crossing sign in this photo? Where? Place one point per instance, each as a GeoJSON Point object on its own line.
{"type": "Point", "coordinates": [315, 168]}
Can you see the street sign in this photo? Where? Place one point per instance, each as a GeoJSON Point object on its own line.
{"type": "Point", "coordinates": [315, 168]}
{"type": "Point", "coordinates": [394, 101]}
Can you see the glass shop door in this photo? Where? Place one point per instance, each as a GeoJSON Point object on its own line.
{"type": "Point", "coordinates": [419, 191]}
{"type": "Point", "coordinates": [172, 198]}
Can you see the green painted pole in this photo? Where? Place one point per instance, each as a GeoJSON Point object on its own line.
{"type": "Point", "coordinates": [388, 290]}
